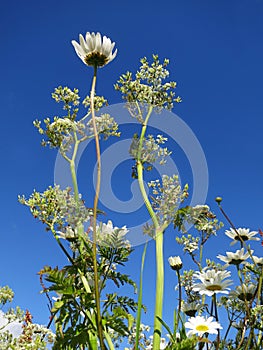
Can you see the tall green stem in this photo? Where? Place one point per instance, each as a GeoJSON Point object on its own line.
{"type": "Point", "coordinates": [95, 208]}
{"type": "Point", "coordinates": [139, 310]}
{"type": "Point", "coordinates": [158, 242]}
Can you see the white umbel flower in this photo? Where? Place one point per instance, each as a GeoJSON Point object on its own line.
{"type": "Point", "coordinates": [94, 50]}
{"type": "Point", "coordinates": [200, 325]}
{"type": "Point", "coordinates": [236, 258]}
{"type": "Point", "coordinates": [241, 234]}
{"type": "Point", "coordinates": [212, 282]}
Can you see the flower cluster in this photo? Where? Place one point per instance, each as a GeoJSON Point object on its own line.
{"type": "Point", "coordinates": [148, 87]}
{"type": "Point", "coordinates": [150, 150]}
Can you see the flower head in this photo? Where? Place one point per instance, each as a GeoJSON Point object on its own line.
{"type": "Point", "coordinates": [107, 234]}
{"type": "Point", "coordinates": [212, 282]}
{"type": "Point", "coordinates": [258, 261]}
{"type": "Point", "coordinates": [93, 50]}
{"type": "Point", "coordinates": [190, 309]}
{"type": "Point", "coordinates": [241, 234]}
{"type": "Point", "coordinates": [200, 325]}
{"type": "Point", "coordinates": [236, 258]}
{"type": "Point", "coordinates": [175, 262]}
{"type": "Point", "coordinates": [244, 292]}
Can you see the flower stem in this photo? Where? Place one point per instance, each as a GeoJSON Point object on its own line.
{"type": "Point", "coordinates": [95, 207]}
{"type": "Point", "coordinates": [158, 241]}
{"type": "Point", "coordinates": [180, 298]}
{"type": "Point", "coordinates": [139, 311]}
{"type": "Point", "coordinates": [216, 317]}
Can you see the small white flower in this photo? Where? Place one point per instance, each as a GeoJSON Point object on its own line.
{"type": "Point", "coordinates": [190, 309]}
{"type": "Point", "coordinates": [244, 292]}
{"type": "Point", "coordinates": [212, 282]}
{"type": "Point", "coordinates": [108, 229]}
{"type": "Point", "coordinates": [258, 261]}
{"type": "Point", "coordinates": [175, 262]}
{"type": "Point", "coordinates": [201, 207]}
{"type": "Point", "coordinates": [106, 232]}
{"type": "Point", "coordinates": [93, 50]}
{"type": "Point", "coordinates": [236, 258]}
{"type": "Point", "coordinates": [200, 325]}
{"type": "Point", "coordinates": [243, 235]}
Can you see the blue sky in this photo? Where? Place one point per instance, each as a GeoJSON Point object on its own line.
{"type": "Point", "coordinates": [216, 54]}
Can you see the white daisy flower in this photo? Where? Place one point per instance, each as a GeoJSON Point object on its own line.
{"type": "Point", "coordinates": [258, 261]}
{"type": "Point", "coordinates": [190, 309]}
{"type": "Point", "coordinates": [244, 292]}
{"type": "Point", "coordinates": [212, 282]}
{"type": "Point", "coordinates": [236, 258]}
{"type": "Point", "coordinates": [106, 233]}
{"type": "Point", "coordinates": [200, 325]}
{"type": "Point", "coordinates": [243, 235]}
{"type": "Point", "coordinates": [93, 50]}
{"type": "Point", "coordinates": [175, 262]}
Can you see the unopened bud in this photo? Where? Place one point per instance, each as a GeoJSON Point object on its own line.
{"type": "Point", "coordinates": [218, 200]}
{"type": "Point", "coordinates": [175, 262]}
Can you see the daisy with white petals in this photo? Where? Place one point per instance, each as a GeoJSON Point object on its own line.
{"type": "Point", "coordinates": [236, 258]}
{"type": "Point", "coordinates": [200, 325]}
{"type": "Point", "coordinates": [241, 235]}
{"type": "Point", "coordinates": [258, 261]}
{"type": "Point", "coordinates": [94, 50]}
{"type": "Point", "coordinates": [212, 282]}
{"type": "Point", "coordinates": [244, 292]}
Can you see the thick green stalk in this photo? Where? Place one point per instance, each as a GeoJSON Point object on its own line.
{"type": "Point", "coordinates": [95, 208]}
{"type": "Point", "coordinates": [159, 290]}
{"type": "Point", "coordinates": [139, 310]}
{"type": "Point", "coordinates": [158, 242]}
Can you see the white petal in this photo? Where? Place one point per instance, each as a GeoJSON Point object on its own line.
{"type": "Point", "coordinates": [98, 42]}
{"type": "Point", "coordinates": [114, 55]}
{"type": "Point", "coordinates": [78, 49]}
{"type": "Point", "coordinates": [83, 44]}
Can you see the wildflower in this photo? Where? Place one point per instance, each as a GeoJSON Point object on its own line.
{"type": "Point", "coordinates": [244, 292]}
{"type": "Point", "coordinates": [175, 262]}
{"type": "Point", "coordinates": [241, 234]}
{"type": "Point", "coordinates": [258, 261]}
{"type": "Point", "coordinates": [190, 309]}
{"type": "Point", "coordinates": [200, 325]}
{"type": "Point", "coordinates": [236, 258]}
{"type": "Point", "coordinates": [93, 51]}
{"type": "Point", "coordinates": [112, 236]}
{"type": "Point", "coordinates": [163, 344]}
{"type": "Point", "coordinates": [212, 282]}
{"type": "Point", "coordinates": [108, 229]}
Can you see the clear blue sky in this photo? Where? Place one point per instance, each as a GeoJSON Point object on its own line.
{"type": "Point", "coordinates": [216, 54]}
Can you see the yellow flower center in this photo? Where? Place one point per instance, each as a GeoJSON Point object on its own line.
{"type": "Point", "coordinates": [202, 328]}
{"type": "Point", "coordinates": [214, 287]}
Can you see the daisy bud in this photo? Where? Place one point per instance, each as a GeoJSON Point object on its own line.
{"type": "Point", "coordinates": [218, 200]}
{"type": "Point", "coordinates": [175, 262]}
